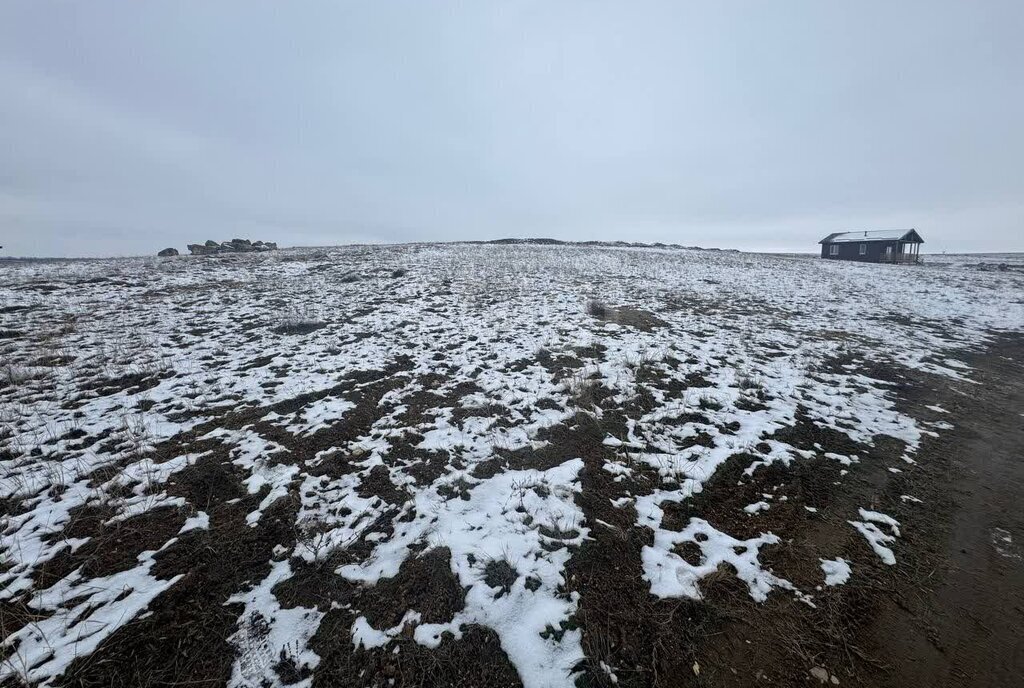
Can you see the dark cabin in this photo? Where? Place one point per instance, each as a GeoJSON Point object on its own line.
{"type": "Point", "coordinates": [887, 246]}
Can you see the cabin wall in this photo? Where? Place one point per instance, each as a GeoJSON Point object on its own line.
{"type": "Point", "coordinates": [850, 250]}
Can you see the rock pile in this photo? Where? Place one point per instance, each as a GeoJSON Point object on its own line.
{"type": "Point", "coordinates": [168, 252]}
{"type": "Point", "coordinates": [233, 246]}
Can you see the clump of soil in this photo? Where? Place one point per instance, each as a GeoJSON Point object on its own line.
{"type": "Point", "coordinates": [499, 573]}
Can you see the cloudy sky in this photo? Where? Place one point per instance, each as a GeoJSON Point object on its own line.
{"type": "Point", "coordinates": [126, 127]}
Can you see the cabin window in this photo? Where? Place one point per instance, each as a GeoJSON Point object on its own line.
{"type": "Point", "coordinates": [863, 249]}
{"type": "Point", "coordinates": [833, 250]}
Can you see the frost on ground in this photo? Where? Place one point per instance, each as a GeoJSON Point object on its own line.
{"type": "Point", "coordinates": [316, 462]}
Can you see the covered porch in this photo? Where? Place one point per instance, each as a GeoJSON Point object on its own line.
{"type": "Point", "coordinates": [902, 252]}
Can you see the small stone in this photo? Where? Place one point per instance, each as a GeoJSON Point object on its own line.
{"type": "Point", "coordinates": [168, 252]}
{"type": "Point", "coordinates": [820, 673]}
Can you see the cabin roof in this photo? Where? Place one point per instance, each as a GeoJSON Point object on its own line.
{"type": "Point", "coordinates": [910, 235]}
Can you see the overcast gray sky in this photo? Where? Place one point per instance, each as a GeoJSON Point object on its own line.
{"type": "Point", "coordinates": [126, 127]}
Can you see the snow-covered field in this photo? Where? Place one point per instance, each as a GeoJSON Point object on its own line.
{"type": "Point", "coordinates": [977, 261]}
{"type": "Point", "coordinates": [349, 411]}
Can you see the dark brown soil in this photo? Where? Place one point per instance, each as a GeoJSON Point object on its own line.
{"type": "Point", "coordinates": [950, 612]}
{"type": "Point", "coordinates": [961, 624]}
{"type": "Point", "coordinates": [132, 383]}
{"type": "Point", "coordinates": [111, 548]}
{"type": "Point", "coordinates": [474, 661]}
{"type": "Point", "coordinates": [642, 320]}
{"type": "Point", "coordinates": [183, 641]}
{"type": "Point", "coordinates": [299, 328]}
{"type": "Point", "coordinates": [425, 583]}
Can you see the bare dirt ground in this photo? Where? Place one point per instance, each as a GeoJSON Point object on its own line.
{"type": "Point", "coordinates": [962, 626]}
{"type": "Point", "coordinates": [951, 612]}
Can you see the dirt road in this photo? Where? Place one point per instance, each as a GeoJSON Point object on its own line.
{"type": "Point", "coordinates": [967, 626]}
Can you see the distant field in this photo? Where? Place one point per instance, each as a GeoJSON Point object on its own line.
{"type": "Point", "coordinates": [1015, 260]}
{"type": "Point", "coordinates": [482, 465]}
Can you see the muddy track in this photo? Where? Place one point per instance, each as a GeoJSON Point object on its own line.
{"type": "Point", "coordinates": [964, 629]}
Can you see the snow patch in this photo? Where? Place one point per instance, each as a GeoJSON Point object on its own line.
{"type": "Point", "coordinates": [875, 536]}
{"type": "Point", "coordinates": [837, 571]}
